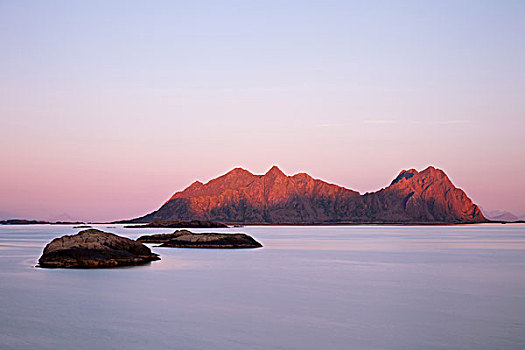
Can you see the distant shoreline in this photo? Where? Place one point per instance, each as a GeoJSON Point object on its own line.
{"type": "Point", "coordinates": [39, 222]}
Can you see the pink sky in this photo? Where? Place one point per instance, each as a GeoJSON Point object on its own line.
{"type": "Point", "coordinates": [104, 116]}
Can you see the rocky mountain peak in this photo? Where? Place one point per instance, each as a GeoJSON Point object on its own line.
{"type": "Point", "coordinates": [404, 175]}
{"type": "Point", "coordinates": [433, 172]}
{"type": "Point", "coordinates": [274, 172]}
{"type": "Point", "coordinates": [237, 172]}
{"type": "Point", "coordinates": [429, 174]}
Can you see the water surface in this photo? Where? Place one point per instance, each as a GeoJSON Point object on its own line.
{"type": "Point", "coordinates": [358, 287]}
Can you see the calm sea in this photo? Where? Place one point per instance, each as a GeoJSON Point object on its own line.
{"type": "Point", "coordinates": [362, 287]}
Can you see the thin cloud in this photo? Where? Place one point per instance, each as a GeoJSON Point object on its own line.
{"type": "Point", "coordinates": [449, 122]}
{"type": "Point", "coordinates": [330, 125]}
{"type": "Point", "coordinates": [380, 122]}
{"type": "Point", "coordinates": [441, 122]}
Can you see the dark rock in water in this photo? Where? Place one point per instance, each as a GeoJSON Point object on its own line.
{"type": "Point", "coordinates": [180, 224]}
{"type": "Point", "coordinates": [94, 249]}
{"type": "Point", "coordinates": [82, 226]}
{"type": "Point", "coordinates": [187, 239]}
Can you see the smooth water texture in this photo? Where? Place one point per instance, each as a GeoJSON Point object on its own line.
{"type": "Point", "coordinates": [357, 287]}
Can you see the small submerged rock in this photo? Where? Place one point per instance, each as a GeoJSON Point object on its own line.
{"type": "Point", "coordinates": [187, 239]}
{"type": "Point", "coordinates": [94, 249]}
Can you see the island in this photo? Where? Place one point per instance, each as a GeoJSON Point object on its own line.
{"type": "Point", "coordinates": [38, 222]}
{"type": "Point", "coordinates": [274, 198]}
{"type": "Point", "coordinates": [188, 239]}
{"type": "Point", "coordinates": [94, 249]}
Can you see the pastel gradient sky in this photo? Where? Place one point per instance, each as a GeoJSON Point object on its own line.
{"type": "Point", "coordinates": [108, 107]}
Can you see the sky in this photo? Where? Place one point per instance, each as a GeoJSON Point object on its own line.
{"type": "Point", "coordinates": [109, 107]}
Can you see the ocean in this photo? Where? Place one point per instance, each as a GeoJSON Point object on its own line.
{"type": "Point", "coordinates": [310, 287]}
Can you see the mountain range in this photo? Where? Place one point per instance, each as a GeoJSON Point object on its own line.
{"type": "Point", "coordinates": [501, 215]}
{"type": "Point", "coordinates": [240, 197]}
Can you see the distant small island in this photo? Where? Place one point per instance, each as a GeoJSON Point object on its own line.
{"type": "Point", "coordinates": [180, 224]}
{"type": "Point", "coordinates": [38, 222]}
{"type": "Point", "coordinates": [188, 239]}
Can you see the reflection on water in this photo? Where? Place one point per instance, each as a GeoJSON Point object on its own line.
{"type": "Point", "coordinates": [362, 287]}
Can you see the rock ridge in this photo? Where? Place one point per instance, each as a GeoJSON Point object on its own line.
{"type": "Point", "coordinates": [240, 197]}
